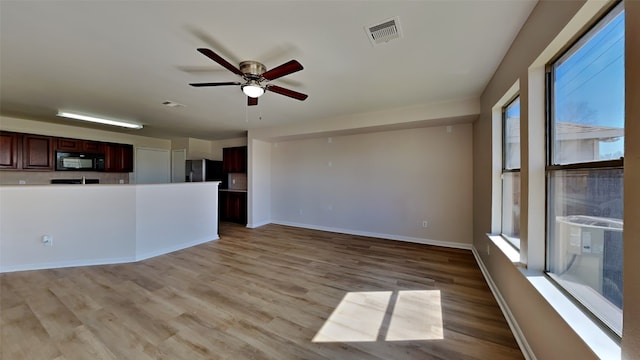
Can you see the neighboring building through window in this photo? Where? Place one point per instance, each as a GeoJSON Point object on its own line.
{"type": "Point", "coordinates": [511, 172]}
{"type": "Point", "coordinates": [585, 169]}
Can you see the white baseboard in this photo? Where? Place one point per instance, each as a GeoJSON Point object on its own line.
{"type": "Point", "coordinates": [513, 324]}
{"type": "Point", "coordinates": [106, 261]}
{"type": "Point", "coordinates": [65, 264]}
{"type": "Point", "coordinates": [171, 249]}
{"type": "Point", "coordinates": [448, 244]}
{"type": "Point", "coordinates": [257, 225]}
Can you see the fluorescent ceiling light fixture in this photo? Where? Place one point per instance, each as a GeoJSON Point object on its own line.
{"type": "Point", "coordinates": [252, 89]}
{"type": "Point", "coordinates": [100, 120]}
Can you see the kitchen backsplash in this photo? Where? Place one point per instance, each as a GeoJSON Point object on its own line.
{"type": "Point", "coordinates": [44, 177]}
{"type": "Point", "coordinates": [237, 181]}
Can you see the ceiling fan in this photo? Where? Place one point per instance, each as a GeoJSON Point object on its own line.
{"type": "Point", "coordinates": [255, 77]}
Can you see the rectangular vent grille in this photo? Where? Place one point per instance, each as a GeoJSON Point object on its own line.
{"type": "Point", "coordinates": [384, 32]}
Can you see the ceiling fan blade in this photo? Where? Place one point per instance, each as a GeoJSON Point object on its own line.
{"type": "Point", "coordinates": [252, 101]}
{"type": "Point", "coordinates": [217, 58]}
{"type": "Point", "coordinates": [214, 84]}
{"type": "Point", "coordinates": [282, 70]}
{"type": "Point", "coordinates": [287, 92]}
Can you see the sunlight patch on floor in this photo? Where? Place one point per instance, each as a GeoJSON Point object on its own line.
{"type": "Point", "coordinates": [356, 318]}
{"type": "Point", "coordinates": [417, 315]}
{"type": "Point", "coordinates": [360, 317]}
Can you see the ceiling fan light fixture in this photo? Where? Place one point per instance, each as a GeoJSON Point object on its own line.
{"type": "Point", "coordinates": [252, 89]}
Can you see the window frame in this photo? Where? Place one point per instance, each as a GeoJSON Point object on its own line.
{"type": "Point", "coordinates": [514, 242]}
{"type": "Point", "coordinates": [551, 167]}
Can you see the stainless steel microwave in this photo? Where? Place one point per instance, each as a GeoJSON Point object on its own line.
{"type": "Point", "coordinates": [79, 161]}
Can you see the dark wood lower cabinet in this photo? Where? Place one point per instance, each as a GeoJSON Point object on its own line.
{"type": "Point", "coordinates": [233, 206]}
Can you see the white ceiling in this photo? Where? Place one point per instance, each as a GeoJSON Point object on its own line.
{"type": "Point", "coordinates": [122, 59]}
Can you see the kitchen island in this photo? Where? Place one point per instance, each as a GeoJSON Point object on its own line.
{"type": "Point", "coordinates": [52, 226]}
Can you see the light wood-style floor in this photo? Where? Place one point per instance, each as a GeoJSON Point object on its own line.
{"type": "Point", "coordinates": [258, 294]}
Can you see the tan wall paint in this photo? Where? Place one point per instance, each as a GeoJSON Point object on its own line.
{"type": "Point", "coordinates": [199, 149]}
{"type": "Point", "coordinates": [545, 331]}
{"type": "Point", "coordinates": [381, 183]}
{"type": "Point", "coordinates": [407, 117]}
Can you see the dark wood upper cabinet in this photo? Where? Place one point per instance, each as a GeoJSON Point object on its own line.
{"type": "Point", "coordinates": [9, 145]}
{"type": "Point", "coordinates": [72, 145]}
{"type": "Point", "coordinates": [20, 151]}
{"type": "Point", "coordinates": [78, 145]}
{"type": "Point", "coordinates": [94, 147]}
{"type": "Point", "coordinates": [118, 157]}
{"type": "Point", "coordinates": [234, 159]}
{"type": "Point", "coordinates": [37, 152]}
{"type": "Point", "coordinates": [26, 151]}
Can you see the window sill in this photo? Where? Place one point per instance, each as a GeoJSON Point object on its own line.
{"type": "Point", "coordinates": [596, 338]}
{"type": "Point", "coordinates": [506, 248]}
{"type": "Point", "coordinates": [599, 340]}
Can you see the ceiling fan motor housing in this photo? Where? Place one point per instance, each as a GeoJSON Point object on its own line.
{"type": "Point", "coordinates": [252, 69]}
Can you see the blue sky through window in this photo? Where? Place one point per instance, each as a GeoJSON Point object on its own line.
{"type": "Point", "coordinates": [589, 82]}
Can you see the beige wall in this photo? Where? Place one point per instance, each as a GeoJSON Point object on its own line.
{"type": "Point", "coordinates": [383, 183]}
{"type": "Point", "coordinates": [547, 334]}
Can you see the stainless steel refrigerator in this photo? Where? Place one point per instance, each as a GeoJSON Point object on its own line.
{"type": "Point", "coordinates": [203, 170]}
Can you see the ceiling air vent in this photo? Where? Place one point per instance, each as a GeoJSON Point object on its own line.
{"type": "Point", "coordinates": [384, 31]}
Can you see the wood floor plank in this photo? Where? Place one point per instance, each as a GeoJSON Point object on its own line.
{"type": "Point", "coordinates": [24, 337]}
{"type": "Point", "coordinates": [258, 294]}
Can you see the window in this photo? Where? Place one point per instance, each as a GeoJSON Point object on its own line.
{"type": "Point", "coordinates": [584, 170]}
{"type": "Point", "coordinates": [511, 172]}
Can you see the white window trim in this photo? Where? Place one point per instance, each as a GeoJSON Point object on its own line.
{"type": "Point", "coordinates": [496, 171]}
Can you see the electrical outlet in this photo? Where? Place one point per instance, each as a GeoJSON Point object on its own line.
{"type": "Point", "coordinates": [425, 223]}
{"type": "Point", "coordinates": [22, 182]}
{"type": "Point", "coordinates": [47, 240]}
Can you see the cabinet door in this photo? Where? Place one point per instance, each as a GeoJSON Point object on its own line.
{"type": "Point", "coordinates": [63, 144]}
{"type": "Point", "coordinates": [118, 158]}
{"type": "Point", "coordinates": [242, 159]}
{"type": "Point", "coordinates": [126, 158]}
{"type": "Point", "coordinates": [37, 152]}
{"type": "Point", "coordinates": [234, 159]}
{"type": "Point", "coordinates": [9, 145]}
{"type": "Point", "coordinates": [111, 158]}
{"type": "Point", "coordinates": [234, 207]}
{"type": "Point", "coordinates": [227, 160]}
{"type": "Point", "coordinates": [94, 147]}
